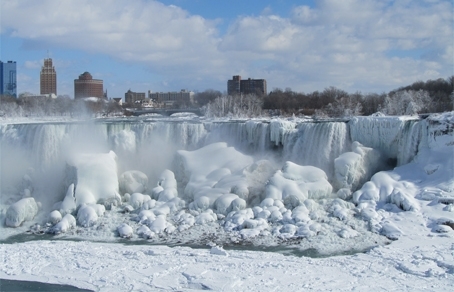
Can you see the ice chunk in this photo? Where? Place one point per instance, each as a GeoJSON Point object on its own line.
{"type": "Point", "coordinates": [137, 200]}
{"type": "Point", "coordinates": [159, 224]}
{"type": "Point", "coordinates": [88, 214]}
{"type": "Point", "coordinates": [23, 210]}
{"type": "Point", "coordinates": [352, 169]}
{"type": "Point", "coordinates": [97, 177]}
{"type": "Point", "coordinates": [54, 217]}
{"type": "Point", "coordinates": [218, 250]}
{"type": "Point", "coordinates": [133, 181]}
{"type": "Point", "coordinates": [145, 232]}
{"type": "Point", "coordinates": [294, 184]}
{"type": "Point", "coordinates": [124, 231]}
{"type": "Point", "coordinates": [67, 222]}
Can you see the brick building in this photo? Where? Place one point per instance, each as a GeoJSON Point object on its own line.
{"type": "Point", "coordinates": [247, 86]}
{"type": "Point", "coordinates": [48, 78]}
{"type": "Point", "coordinates": [86, 86]}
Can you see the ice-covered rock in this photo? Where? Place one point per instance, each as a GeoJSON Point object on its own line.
{"type": "Point", "coordinates": [133, 181]}
{"type": "Point", "coordinates": [66, 223]}
{"type": "Point", "coordinates": [54, 217]}
{"type": "Point", "coordinates": [23, 210]}
{"type": "Point", "coordinates": [352, 169]}
{"type": "Point", "coordinates": [145, 232]}
{"type": "Point", "coordinates": [125, 231]}
{"type": "Point", "coordinates": [88, 214]}
{"type": "Point", "coordinates": [96, 177]}
{"type": "Point", "coordinates": [295, 183]}
{"type": "Point", "coordinates": [137, 200]}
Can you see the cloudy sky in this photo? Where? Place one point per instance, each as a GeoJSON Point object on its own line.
{"type": "Point", "coordinates": [365, 45]}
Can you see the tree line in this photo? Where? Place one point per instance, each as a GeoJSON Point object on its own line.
{"type": "Point", "coordinates": [418, 98]}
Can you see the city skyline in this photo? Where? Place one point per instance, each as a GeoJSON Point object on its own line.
{"type": "Point", "coordinates": [371, 46]}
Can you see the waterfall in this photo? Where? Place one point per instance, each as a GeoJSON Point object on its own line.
{"type": "Point", "coordinates": [149, 146]}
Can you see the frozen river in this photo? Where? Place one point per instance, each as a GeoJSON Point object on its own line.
{"type": "Point", "coordinates": [188, 203]}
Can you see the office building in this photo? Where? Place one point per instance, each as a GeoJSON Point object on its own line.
{"type": "Point", "coordinates": [86, 86]}
{"type": "Point", "coordinates": [134, 97]}
{"type": "Point", "coordinates": [247, 86]}
{"type": "Point", "coordinates": [172, 99]}
{"type": "Point", "coordinates": [8, 85]}
{"type": "Point", "coordinates": [48, 78]}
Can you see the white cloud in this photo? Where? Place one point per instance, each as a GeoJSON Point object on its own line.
{"type": "Point", "coordinates": [348, 44]}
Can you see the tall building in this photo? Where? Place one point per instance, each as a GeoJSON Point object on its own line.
{"type": "Point", "coordinates": [86, 86]}
{"type": "Point", "coordinates": [48, 78]}
{"type": "Point", "coordinates": [233, 86]}
{"type": "Point", "coordinates": [8, 84]}
{"type": "Point", "coordinates": [246, 86]}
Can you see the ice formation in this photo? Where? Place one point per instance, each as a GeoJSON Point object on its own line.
{"type": "Point", "coordinates": [23, 210]}
{"type": "Point", "coordinates": [96, 178]}
{"type": "Point", "coordinates": [258, 182]}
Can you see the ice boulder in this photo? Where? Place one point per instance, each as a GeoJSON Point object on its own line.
{"type": "Point", "coordinates": [23, 210]}
{"type": "Point", "coordinates": [352, 169]}
{"type": "Point", "coordinates": [166, 189]}
{"type": "Point", "coordinates": [137, 200]}
{"type": "Point", "coordinates": [66, 223]}
{"type": "Point", "coordinates": [54, 217]}
{"type": "Point", "coordinates": [295, 183]}
{"type": "Point", "coordinates": [124, 231]}
{"type": "Point", "coordinates": [133, 181]}
{"type": "Point", "coordinates": [205, 160]}
{"type": "Point", "coordinates": [96, 177]}
{"type": "Point", "coordinates": [88, 214]}
{"type": "Point", "coordinates": [386, 187]}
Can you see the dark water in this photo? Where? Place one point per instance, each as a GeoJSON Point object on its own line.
{"type": "Point", "coordinates": [290, 250]}
{"type": "Point", "coordinates": [25, 286]}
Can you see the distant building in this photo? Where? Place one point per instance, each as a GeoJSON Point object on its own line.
{"type": "Point", "coordinates": [171, 99]}
{"type": "Point", "coordinates": [8, 85]}
{"type": "Point", "coordinates": [246, 86]}
{"type": "Point", "coordinates": [48, 78]}
{"type": "Point", "coordinates": [134, 97]}
{"type": "Point", "coordinates": [86, 86]}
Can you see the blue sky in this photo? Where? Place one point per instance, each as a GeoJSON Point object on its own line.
{"type": "Point", "coordinates": [365, 45]}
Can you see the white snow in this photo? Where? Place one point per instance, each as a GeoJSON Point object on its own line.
{"type": "Point", "coordinates": [218, 196]}
{"type": "Point", "coordinates": [97, 178]}
{"type": "Point", "coordinates": [23, 210]}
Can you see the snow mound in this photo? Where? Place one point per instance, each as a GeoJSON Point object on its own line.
{"type": "Point", "coordinates": [295, 183]}
{"type": "Point", "coordinates": [23, 210]}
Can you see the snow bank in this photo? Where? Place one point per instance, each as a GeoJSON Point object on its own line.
{"type": "Point", "coordinates": [97, 178]}
{"type": "Point", "coordinates": [23, 210]}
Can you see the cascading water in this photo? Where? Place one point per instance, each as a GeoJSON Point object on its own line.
{"type": "Point", "coordinates": [305, 149]}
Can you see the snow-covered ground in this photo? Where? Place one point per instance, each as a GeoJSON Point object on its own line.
{"type": "Point", "coordinates": [379, 188]}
